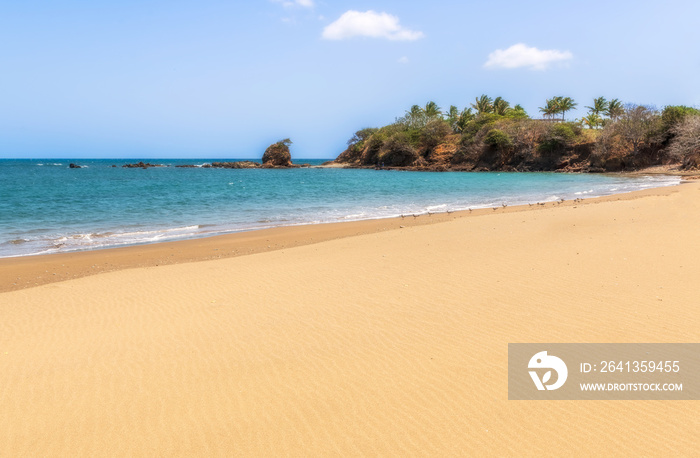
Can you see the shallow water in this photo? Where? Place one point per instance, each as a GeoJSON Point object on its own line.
{"type": "Point", "coordinates": [45, 207]}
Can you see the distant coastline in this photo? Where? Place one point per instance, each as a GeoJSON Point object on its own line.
{"type": "Point", "coordinates": [493, 136]}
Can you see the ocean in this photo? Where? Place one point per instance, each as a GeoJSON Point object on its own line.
{"type": "Point", "coordinates": [46, 207]}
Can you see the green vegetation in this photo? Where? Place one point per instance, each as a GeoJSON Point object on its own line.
{"type": "Point", "coordinates": [498, 139]}
{"type": "Point", "coordinates": [593, 121]}
{"type": "Point", "coordinates": [600, 106]}
{"type": "Point", "coordinates": [483, 104]}
{"type": "Point", "coordinates": [602, 111]}
{"type": "Point", "coordinates": [492, 134]}
{"type": "Point", "coordinates": [557, 105]}
{"type": "Point", "coordinates": [672, 116]}
{"type": "Point", "coordinates": [615, 109]}
{"type": "Point", "coordinates": [558, 138]}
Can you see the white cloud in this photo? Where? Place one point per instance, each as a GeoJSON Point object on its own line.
{"type": "Point", "coordinates": [520, 55]}
{"type": "Point", "coordinates": [290, 3]}
{"type": "Point", "coordinates": [368, 24]}
{"type": "Point", "coordinates": [403, 60]}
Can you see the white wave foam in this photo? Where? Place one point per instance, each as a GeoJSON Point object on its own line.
{"type": "Point", "coordinates": [37, 242]}
{"type": "Point", "coordinates": [355, 216]}
{"type": "Point", "coordinates": [90, 240]}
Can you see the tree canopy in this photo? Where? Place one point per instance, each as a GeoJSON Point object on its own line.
{"type": "Point", "coordinates": [494, 133]}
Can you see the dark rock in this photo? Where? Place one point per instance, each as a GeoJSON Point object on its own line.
{"type": "Point", "coordinates": [278, 155]}
{"type": "Point", "coordinates": [74, 166]}
{"type": "Point", "coordinates": [596, 170]}
{"type": "Point", "coordinates": [141, 165]}
{"type": "Point", "coordinates": [235, 165]}
{"type": "Point", "coordinates": [614, 164]}
{"type": "Point", "coordinates": [397, 154]}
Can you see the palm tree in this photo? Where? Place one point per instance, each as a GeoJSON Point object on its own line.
{"type": "Point", "coordinates": [464, 117]}
{"type": "Point", "coordinates": [600, 105]}
{"type": "Point", "coordinates": [415, 110]}
{"type": "Point", "coordinates": [467, 114]}
{"type": "Point", "coordinates": [415, 118]}
{"type": "Point", "coordinates": [565, 104]}
{"type": "Point", "coordinates": [615, 109]}
{"type": "Point", "coordinates": [432, 110]}
{"type": "Point", "coordinates": [592, 121]}
{"type": "Point", "coordinates": [452, 116]}
{"type": "Point", "coordinates": [518, 111]}
{"type": "Point", "coordinates": [483, 104]}
{"type": "Point", "coordinates": [453, 113]}
{"type": "Point", "coordinates": [550, 108]}
{"type": "Point", "coordinates": [500, 106]}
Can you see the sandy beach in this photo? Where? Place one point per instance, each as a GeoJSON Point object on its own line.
{"type": "Point", "coordinates": [385, 337]}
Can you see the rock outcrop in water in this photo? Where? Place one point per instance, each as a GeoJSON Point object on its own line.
{"type": "Point", "coordinates": [238, 165]}
{"type": "Point", "coordinates": [74, 166]}
{"type": "Point", "coordinates": [234, 165]}
{"type": "Point", "coordinates": [277, 155]}
{"type": "Point", "coordinates": [141, 165]}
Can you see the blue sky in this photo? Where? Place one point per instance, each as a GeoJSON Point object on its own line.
{"type": "Point", "coordinates": [224, 79]}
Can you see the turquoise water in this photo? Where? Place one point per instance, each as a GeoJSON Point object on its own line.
{"type": "Point", "coordinates": [45, 207]}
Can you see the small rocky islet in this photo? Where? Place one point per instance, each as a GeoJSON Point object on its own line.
{"type": "Point", "coordinates": [276, 156]}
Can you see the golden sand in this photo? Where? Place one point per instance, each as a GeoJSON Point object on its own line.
{"type": "Point", "coordinates": [327, 343]}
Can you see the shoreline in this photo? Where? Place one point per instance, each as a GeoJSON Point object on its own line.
{"type": "Point", "coordinates": [102, 209]}
{"type": "Point", "coordinates": [29, 271]}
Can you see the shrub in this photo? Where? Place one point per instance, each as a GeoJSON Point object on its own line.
{"type": "Point", "coordinates": [637, 126]}
{"type": "Point", "coordinates": [373, 145]}
{"type": "Point", "coordinates": [517, 112]}
{"type": "Point", "coordinates": [397, 151]}
{"type": "Point", "coordinates": [675, 114]}
{"type": "Point", "coordinates": [434, 133]}
{"type": "Point", "coordinates": [672, 116]}
{"type": "Point", "coordinates": [471, 128]}
{"type": "Point", "coordinates": [685, 146]}
{"type": "Point", "coordinates": [497, 139]}
{"type": "Point", "coordinates": [565, 132]}
{"type": "Point", "coordinates": [361, 136]}
{"type": "Point", "coordinates": [634, 133]}
{"type": "Point", "coordinates": [558, 137]}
